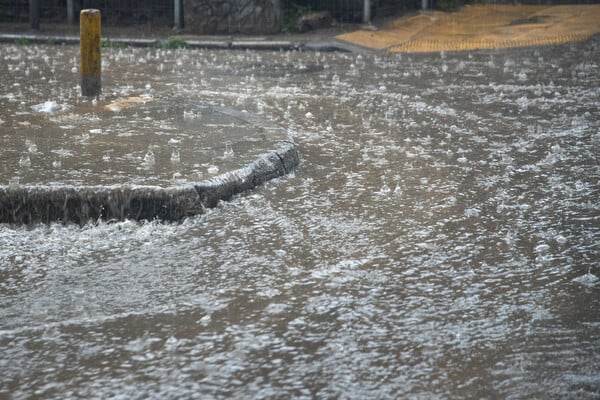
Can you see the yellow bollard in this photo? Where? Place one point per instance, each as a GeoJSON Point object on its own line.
{"type": "Point", "coordinates": [91, 63]}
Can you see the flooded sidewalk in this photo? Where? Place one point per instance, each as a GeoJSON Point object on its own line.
{"type": "Point", "coordinates": [483, 27]}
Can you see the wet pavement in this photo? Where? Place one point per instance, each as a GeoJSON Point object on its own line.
{"type": "Point", "coordinates": [439, 239]}
{"type": "Point", "coordinates": [482, 26]}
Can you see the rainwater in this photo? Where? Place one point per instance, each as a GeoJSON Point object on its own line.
{"type": "Point", "coordinates": [440, 239]}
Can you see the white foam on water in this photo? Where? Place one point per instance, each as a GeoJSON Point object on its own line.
{"type": "Point", "coordinates": [588, 280]}
{"type": "Point", "coordinates": [49, 107]}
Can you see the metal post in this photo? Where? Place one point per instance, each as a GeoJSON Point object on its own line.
{"type": "Point", "coordinates": [367, 12]}
{"type": "Point", "coordinates": [424, 5]}
{"type": "Point", "coordinates": [70, 12]}
{"type": "Point", "coordinates": [34, 14]}
{"type": "Point", "coordinates": [91, 62]}
{"type": "Point", "coordinates": [178, 15]}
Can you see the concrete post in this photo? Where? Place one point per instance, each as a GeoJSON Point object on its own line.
{"type": "Point", "coordinates": [70, 12]}
{"type": "Point", "coordinates": [34, 14]}
{"type": "Point", "coordinates": [178, 15]}
{"type": "Point", "coordinates": [91, 62]}
{"type": "Point", "coordinates": [367, 12]}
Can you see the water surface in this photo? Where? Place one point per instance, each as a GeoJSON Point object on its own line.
{"type": "Point", "coordinates": [440, 238]}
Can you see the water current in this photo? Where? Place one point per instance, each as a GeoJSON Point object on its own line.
{"type": "Point", "coordinates": [440, 239]}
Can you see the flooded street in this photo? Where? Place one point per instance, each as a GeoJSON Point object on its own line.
{"type": "Point", "coordinates": [440, 238]}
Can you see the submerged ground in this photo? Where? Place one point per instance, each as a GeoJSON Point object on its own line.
{"type": "Point", "coordinates": [439, 240]}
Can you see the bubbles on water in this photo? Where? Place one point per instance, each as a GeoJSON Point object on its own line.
{"type": "Point", "coordinates": [228, 151]}
{"type": "Point", "coordinates": [49, 107]}
{"type": "Point", "coordinates": [142, 346]}
{"type": "Point", "coordinates": [25, 161]}
{"type": "Point", "coordinates": [191, 115]}
{"type": "Point", "coordinates": [175, 157]}
{"type": "Point", "coordinates": [587, 279]}
{"type": "Point", "coordinates": [149, 159]}
{"type": "Point", "coordinates": [31, 146]}
{"type": "Point", "coordinates": [385, 190]}
{"type": "Point", "coordinates": [521, 76]}
{"type": "Point", "coordinates": [542, 248]}
{"type": "Point", "coordinates": [205, 320]}
{"type": "Point", "coordinates": [84, 136]}
{"type": "Point", "coordinates": [398, 191]}
{"type": "Point", "coordinates": [472, 212]}
{"type": "Point", "coordinates": [62, 152]}
{"type": "Point", "coordinates": [560, 239]}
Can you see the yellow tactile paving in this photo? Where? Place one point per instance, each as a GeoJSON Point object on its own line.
{"type": "Point", "coordinates": [483, 27]}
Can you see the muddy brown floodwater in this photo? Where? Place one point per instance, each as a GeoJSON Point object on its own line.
{"type": "Point", "coordinates": [440, 239]}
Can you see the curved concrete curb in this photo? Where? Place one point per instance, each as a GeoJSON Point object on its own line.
{"type": "Point", "coordinates": [264, 152]}
{"type": "Point", "coordinates": [80, 204]}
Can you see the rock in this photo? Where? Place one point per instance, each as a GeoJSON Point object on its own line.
{"type": "Point", "coordinates": [315, 20]}
{"type": "Point", "coordinates": [232, 16]}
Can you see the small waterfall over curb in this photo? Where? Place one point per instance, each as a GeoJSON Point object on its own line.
{"type": "Point", "coordinates": [80, 204]}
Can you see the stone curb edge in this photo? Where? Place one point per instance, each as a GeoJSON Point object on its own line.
{"type": "Point", "coordinates": [219, 44]}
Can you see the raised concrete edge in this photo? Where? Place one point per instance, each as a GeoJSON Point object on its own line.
{"type": "Point", "coordinates": [22, 204]}
{"type": "Point", "coordinates": [216, 43]}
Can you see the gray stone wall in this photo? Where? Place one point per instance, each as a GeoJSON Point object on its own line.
{"type": "Point", "coordinates": [232, 16]}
